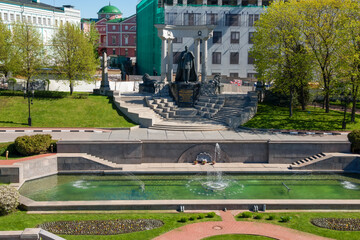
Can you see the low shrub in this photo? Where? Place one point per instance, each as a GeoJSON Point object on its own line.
{"type": "Point", "coordinates": [354, 138]}
{"type": "Point", "coordinates": [31, 145]}
{"type": "Point", "coordinates": [270, 217]}
{"type": "Point", "coordinates": [183, 220]}
{"type": "Point", "coordinates": [9, 199]}
{"type": "Point", "coordinates": [7, 147]}
{"type": "Point", "coordinates": [54, 146]}
{"type": "Point", "coordinates": [258, 216]}
{"type": "Point", "coordinates": [50, 94]}
{"type": "Point", "coordinates": [210, 215]}
{"type": "Point", "coordinates": [245, 215]}
{"type": "Point", "coordinates": [80, 96]}
{"type": "Point", "coordinates": [192, 218]}
{"type": "Point", "coordinates": [285, 219]}
{"type": "Point", "coordinates": [201, 216]}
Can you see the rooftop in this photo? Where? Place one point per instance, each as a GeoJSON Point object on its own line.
{"type": "Point", "coordinates": [109, 10]}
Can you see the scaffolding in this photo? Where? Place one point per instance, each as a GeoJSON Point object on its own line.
{"type": "Point", "coordinates": [148, 13]}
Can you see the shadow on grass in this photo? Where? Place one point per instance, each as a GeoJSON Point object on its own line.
{"type": "Point", "coordinates": [11, 122]}
{"type": "Point", "coordinates": [111, 101]}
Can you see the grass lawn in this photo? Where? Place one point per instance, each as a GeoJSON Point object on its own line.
{"type": "Point", "coordinates": [22, 220]}
{"type": "Point", "coordinates": [273, 117]}
{"type": "Point", "coordinates": [301, 222]}
{"type": "Point", "coordinates": [95, 111]}
{"type": "Point", "coordinates": [237, 237]}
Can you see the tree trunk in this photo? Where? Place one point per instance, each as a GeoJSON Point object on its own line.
{"type": "Point", "coordinates": [327, 102]}
{"type": "Point", "coordinates": [303, 104]}
{"type": "Point", "coordinates": [291, 103]}
{"type": "Point", "coordinates": [71, 88]}
{"type": "Point", "coordinates": [354, 99]}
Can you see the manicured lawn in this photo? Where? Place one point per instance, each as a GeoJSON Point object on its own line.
{"type": "Point", "coordinates": [237, 237]}
{"type": "Point", "coordinates": [273, 117]}
{"type": "Point", "coordinates": [22, 220]}
{"type": "Point", "coordinates": [301, 221]}
{"type": "Point", "coordinates": [95, 111]}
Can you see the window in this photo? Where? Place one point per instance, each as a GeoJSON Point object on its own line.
{"type": "Point", "coordinates": [113, 38]}
{"type": "Point", "coordinates": [39, 20]}
{"type": "Point", "coordinates": [44, 21]}
{"type": "Point", "coordinates": [18, 18]}
{"type": "Point", "coordinates": [234, 75]}
{"type": "Point", "coordinates": [216, 58]}
{"type": "Point", "coordinates": [250, 59]}
{"type": "Point", "coordinates": [211, 19]}
{"type": "Point", "coordinates": [34, 20]}
{"type": "Point", "coordinates": [252, 75]}
{"type": "Point", "coordinates": [49, 21]}
{"type": "Point", "coordinates": [0, 16]}
{"type": "Point", "coordinates": [29, 19]}
{"type": "Point", "coordinates": [56, 22]}
{"type": "Point", "coordinates": [114, 51]}
{"type": "Point", "coordinates": [126, 27]}
{"type": "Point", "coordinates": [235, 37]}
{"type": "Point", "coordinates": [252, 19]}
{"type": "Point", "coordinates": [6, 17]}
{"type": "Point", "coordinates": [230, 2]}
{"type": "Point", "coordinates": [217, 37]}
{"type": "Point", "coordinates": [126, 52]}
{"type": "Point", "coordinates": [61, 22]}
{"type": "Point", "coordinates": [178, 40]}
{"type": "Point", "coordinates": [12, 17]}
{"type": "Point", "coordinates": [171, 18]}
{"type": "Point", "coordinates": [113, 27]}
{"type": "Point", "coordinates": [232, 20]}
{"type": "Point", "coordinates": [191, 19]}
{"type": "Point", "coordinates": [234, 58]}
{"type": "Point", "coordinates": [251, 35]}
{"type": "Point", "coordinates": [126, 40]}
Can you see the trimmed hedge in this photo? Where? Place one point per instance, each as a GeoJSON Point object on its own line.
{"type": "Point", "coordinates": [37, 94]}
{"type": "Point", "coordinates": [7, 147]}
{"type": "Point", "coordinates": [9, 199]}
{"type": "Point", "coordinates": [354, 138]}
{"type": "Point", "coordinates": [31, 145]}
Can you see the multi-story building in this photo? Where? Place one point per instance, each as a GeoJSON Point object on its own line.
{"type": "Point", "coordinates": [232, 22]}
{"type": "Point", "coordinates": [44, 17]}
{"type": "Point", "coordinates": [117, 35]}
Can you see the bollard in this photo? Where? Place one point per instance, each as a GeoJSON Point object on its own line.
{"type": "Point", "coordinates": [52, 148]}
{"type": "Point", "coordinates": [7, 155]}
{"type": "Point", "coordinates": [264, 207]}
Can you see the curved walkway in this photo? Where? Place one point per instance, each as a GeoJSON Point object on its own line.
{"type": "Point", "coordinates": [229, 225]}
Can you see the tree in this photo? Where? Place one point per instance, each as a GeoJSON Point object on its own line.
{"type": "Point", "coordinates": [350, 51]}
{"type": "Point", "coordinates": [5, 48]}
{"type": "Point", "coordinates": [321, 25]}
{"type": "Point", "coordinates": [29, 51]}
{"type": "Point", "coordinates": [279, 51]}
{"type": "Point", "coordinates": [74, 54]}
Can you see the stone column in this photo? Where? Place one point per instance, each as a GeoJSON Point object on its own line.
{"type": "Point", "coordinates": [170, 60]}
{"type": "Point", "coordinates": [204, 60]}
{"type": "Point", "coordinates": [175, 2]}
{"type": "Point", "coordinates": [220, 2]}
{"type": "Point", "coordinates": [163, 59]}
{"type": "Point", "coordinates": [197, 55]}
{"type": "Point", "coordinates": [184, 2]}
{"type": "Point", "coordinates": [259, 2]}
{"type": "Point", "coordinates": [204, 2]}
{"type": "Point", "coordinates": [239, 2]}
{"type": "Point", "coordinates": [104, 87]}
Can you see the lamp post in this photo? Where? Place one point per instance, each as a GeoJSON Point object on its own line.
{"type": "Point", "coordinates": [346, 99]}
{"type": "Point", "coordinates": [29, 93]}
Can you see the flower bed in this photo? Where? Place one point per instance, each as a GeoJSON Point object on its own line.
{"type": "Point", "coordinates": [339, 224]}
{"type": "Point", "coordinates": [100, 227]}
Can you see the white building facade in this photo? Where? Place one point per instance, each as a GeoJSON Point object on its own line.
{"type": "Point", "coordinates": [45, 18]}
{"type": "Point", "coordinates": [228, 48]}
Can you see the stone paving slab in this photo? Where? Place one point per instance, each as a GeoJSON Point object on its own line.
{"type": "Point", "coordinates": [194, 135]}
{"type": "Point", "coordinates": [212, 135]}
{"type": "Point", "coordinates": [156, 135]}
{"type": "Point", "coordinates": [175, 135]}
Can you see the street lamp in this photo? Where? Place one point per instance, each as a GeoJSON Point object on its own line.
{"type": "Point", "coordinates": [29, 93]}
{"type": "Point", "coordinates": [346, 98]}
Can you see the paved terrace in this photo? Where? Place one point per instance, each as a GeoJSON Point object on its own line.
{"type": "Point", "coordinates": [151, 134]}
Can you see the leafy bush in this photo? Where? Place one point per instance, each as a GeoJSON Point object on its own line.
{"type": "Point", "coordinates": [258, 216]}
{"type": "Point", "coordinates": [192, 218]}
{"type": "Point", "coordinates": [7, 147]}
{"type": "Point", "coordinates": [183, 220]}
{"type": "Point", "coordinates": [285, 219]}
{"type": "Point", "coordinates": [270, 217]}
{"type": "Point", "coordinates": [354, 138]}
{"type": "Point", "coordinates": [201, 216]}
{"type": "Point", "coordinates": [50, 94]}
{"type": "Point", "coordinates": [9, 199]}
{"type": "Point", "coordinates": [245, 215]}
{"type": "Point", "coordinates": [54, 146]}
{"type": "Point", "coordinates": [31, 145]}
{"type": "Point", "coordinates": [210, 215]}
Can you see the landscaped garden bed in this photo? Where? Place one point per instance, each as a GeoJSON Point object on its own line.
{"type": "Point", "coordinates": [339, 224]}
{"type": "Point", "coordinates": [100, 227]}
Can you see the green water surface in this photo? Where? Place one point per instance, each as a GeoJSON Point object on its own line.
{"type": "Point", "coordinates": [165, 187]}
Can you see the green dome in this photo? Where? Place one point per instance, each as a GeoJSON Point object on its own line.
{"type": "Point", "coordinates": [109, 10]}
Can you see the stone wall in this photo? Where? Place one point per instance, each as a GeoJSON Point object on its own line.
{"type": "Point", "coordinates": [152, 151]}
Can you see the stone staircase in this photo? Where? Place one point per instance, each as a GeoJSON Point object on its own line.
{"type": "Point", "coordinates": [167, 108]}
{"type": "Point", "coordinates": [309, 160]}
{"type": "Point", "coordinates": [91, 158]}
{"type": "Point", "coordinates": [237, 109]}
{"type": "Point", "coordinates": [208, 107]}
